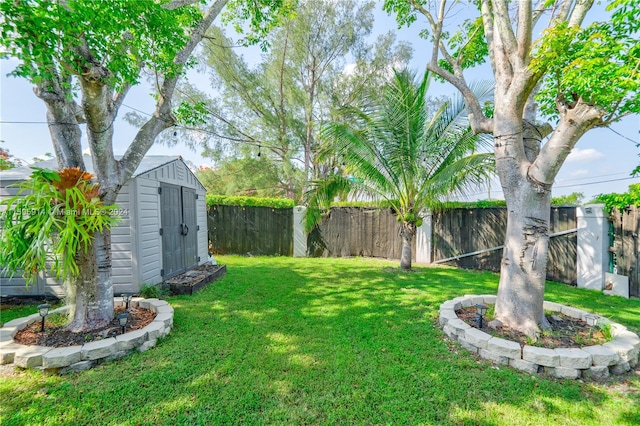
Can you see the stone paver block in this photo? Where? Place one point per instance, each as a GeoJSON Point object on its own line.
{"type": "Point", "coordinates": [77, 367]}
{"type": "Point", "coordinates": [445, 316]}
{"type": "Point", "coordinates": [450, 332]}
{"type": "Point", "coordinates": [154, 330]}
{"type": "Point", "coordinates": [477, 300]}
{"type": "Point", "coordinates": [624, 334]}
{"type": "Point", "coordinates": [157, 303]}
{"type": "Point", "coordinates": [542, 356]}
{"type": "Point", "coordinates": [464, 301]}
{"type": "Point", "coordinates": [599, 372]}
{"type": "Point", "coordinates": [166, 309]}
{"type": "Point", "coordinates": [8, 351]}
{"type": "Point", "coordinates": [19, 323]}
{"type": "Point", "coordinates": [62, 357]}
{"type": "Point", "coordinates": [30, 356]}
{"type": "Point", "coordinates": [552, 306]}
{"type": "Point", "coordinates": [115, 356]}
{"type": "Point", "coordinates": [564, 372]}
{"type": "Point", "coordinates": [134, 301]}
{"type": "Point", "coordinates": [147, 345]}
{"type": "Point", "coordinates": [574, 358]}
{"type": "Point", "coordinates": [573, 312]}
{"type": "Point", "coordinates": [7, 333]}
{"type": "Point", "coordinates": [498, 358]}
{"type": "Point", "coordinates": [98, 349]}
{"type": "Point", "coordinates": [620, 368]}
{"type": "Point", "coordinates": [489, 299]}
{"type": "Point", "coordinates": [601, 356]}
{"type": "Point", "coordinates": [625, 349]}
{"type": "Point", "coordinates": [468, 346]}
{"type": "Point", "coordinates": [477, 338]}
{"type": "Point", "coordinates": [522, 365]}
{"type": "Point", "coordinates": [505, 348]}
{"type": "Point", "coordinates": [450, 304]}
{"type": "Point", "coordinates": [165, 318]}
{"type": "Point", "coordinates": [130, 340]}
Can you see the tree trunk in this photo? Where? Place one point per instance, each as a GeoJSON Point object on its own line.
{"type": "Point", "coordinates": [524, 259]}
{"type": "Point", "coordinates": [407, 231]}
{"type": "Point", "coordinates": [93, 289]}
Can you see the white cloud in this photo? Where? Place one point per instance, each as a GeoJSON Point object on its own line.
{"type": "Point", "coordinates": [578, 155]}
{"type": "Point", "coordinates": [349, 69]}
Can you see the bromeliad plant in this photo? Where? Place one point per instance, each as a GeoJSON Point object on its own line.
{"type": "Point", "coordinates": [51, 219]}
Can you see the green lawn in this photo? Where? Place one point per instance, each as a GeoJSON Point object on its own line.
{"type": "Point", "coordinates": [323, 341]}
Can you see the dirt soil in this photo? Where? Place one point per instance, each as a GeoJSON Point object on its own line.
{"type": "Point", "coordinates": [57, 337]}
{"type": "Point", "coordinates": [566, 332]}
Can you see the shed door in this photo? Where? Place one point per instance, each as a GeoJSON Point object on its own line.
{"type": "Point", "coordinates": [179, 229]}
{"type": "Point", "coordinates": [190, 231]}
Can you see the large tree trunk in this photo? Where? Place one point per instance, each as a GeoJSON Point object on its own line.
{"type": "Point", "coordinates": [92, 291]}
{"type": "Point", "coordinates": [524, 258]}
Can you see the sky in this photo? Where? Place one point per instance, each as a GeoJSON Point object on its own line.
{"type": "Point", "coordinates": [601, 162]}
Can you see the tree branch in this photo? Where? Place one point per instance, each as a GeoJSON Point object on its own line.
{"type": "Point", "coordinates": [524, 30]}
{"type": "Point", "coordinates": [574, 123]}
{"type": "Point", "coordinates": [503, 24]}
{"type": "Point", "coordinates": [487, 22]}
{"type": "Point", "coordinates": [162, 117]}
{"type": "Point", "coordinates": [579, 11]}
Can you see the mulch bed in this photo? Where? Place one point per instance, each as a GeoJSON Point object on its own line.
{"type": "Point", "coordinates": [58, 337]}
{"type": "Point", "coordinates": [566, 332]}
{"type": "Point", "coordinates": [195, 279]}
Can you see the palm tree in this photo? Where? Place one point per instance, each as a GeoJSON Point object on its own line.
{"type": "Point", "coordinates": [398, 155]}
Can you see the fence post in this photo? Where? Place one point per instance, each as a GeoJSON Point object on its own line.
{"type": "Point", "coordinates": [299, 236]}
{"type": "Point", "coordinates": [423, 238]}
{"type": "Point", "coordinates": [593, 246]}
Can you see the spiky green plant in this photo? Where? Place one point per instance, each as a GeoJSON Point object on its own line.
{"type": "Point", "coordinates": [394, 152]}
{"type": "Point", "coordinates": [49, 221]}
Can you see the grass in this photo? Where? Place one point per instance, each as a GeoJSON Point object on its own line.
{"type": "Point", "coordinates": [323, 341]}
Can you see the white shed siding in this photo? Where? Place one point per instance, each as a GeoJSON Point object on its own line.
{"type": "Point", "coordinates": [121, 243]}
{"type": "Point", "coordinates": [149, 258]}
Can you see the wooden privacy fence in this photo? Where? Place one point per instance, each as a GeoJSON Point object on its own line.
{"type": "Point", "coordinates": [473, 238]}
{"type": "Point", "coordinates": [250, 230]}
{"type": "Point", "coordinates": [625, 227]}
{"type": "Point", "coordinates": [358, 231]}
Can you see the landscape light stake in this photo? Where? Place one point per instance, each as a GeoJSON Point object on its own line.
{"type": "Point", "coordinates": [127, 298]}
{"type": "Point", "coordinates": [592, 321]}
{"type": "Point", "coordinates": [122, 320]}
{"type": "Point", "coordinates": [482, 310]}
{"type": "Point", "coordinates": [43, 310]}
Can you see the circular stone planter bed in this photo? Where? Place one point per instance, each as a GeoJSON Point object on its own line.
{"type": "Point", "coordinates": [593, 362]}
{"type": "Point", "coordinates": [77, 358]}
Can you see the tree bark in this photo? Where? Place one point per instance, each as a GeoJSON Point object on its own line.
{"type": "Point", "coordinates": [407, 231]}
{"type": "Point", "coordinates": [92, 291]}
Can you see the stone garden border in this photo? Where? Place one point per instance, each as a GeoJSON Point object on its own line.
{"type": "Point", "coordinates": [591, 362]}
{"type": "Point", "coordinates": [77, 358]}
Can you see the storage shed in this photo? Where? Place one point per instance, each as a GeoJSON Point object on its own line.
{"type": "Point", "coordinates": [162, 231]}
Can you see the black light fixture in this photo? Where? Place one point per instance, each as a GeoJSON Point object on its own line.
{"type": "Point", "coordinates": [122, 320]}
{"type": "Point", "coordinates": [482, 311]}
{"type": "Point", "coordinates": [127, 298]}
{"type": "Point", "coordinates": [43, 310]}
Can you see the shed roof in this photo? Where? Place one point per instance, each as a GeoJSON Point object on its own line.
{"type": "Point", "coordinates": [147, 164]}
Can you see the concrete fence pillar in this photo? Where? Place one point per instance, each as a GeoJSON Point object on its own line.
{"type": "Point", "coordinates": [299, 236]}
{"type": "Point", "coordinates": [593, 246]}
{"type": "Point", "coordinates": [423, 239]}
